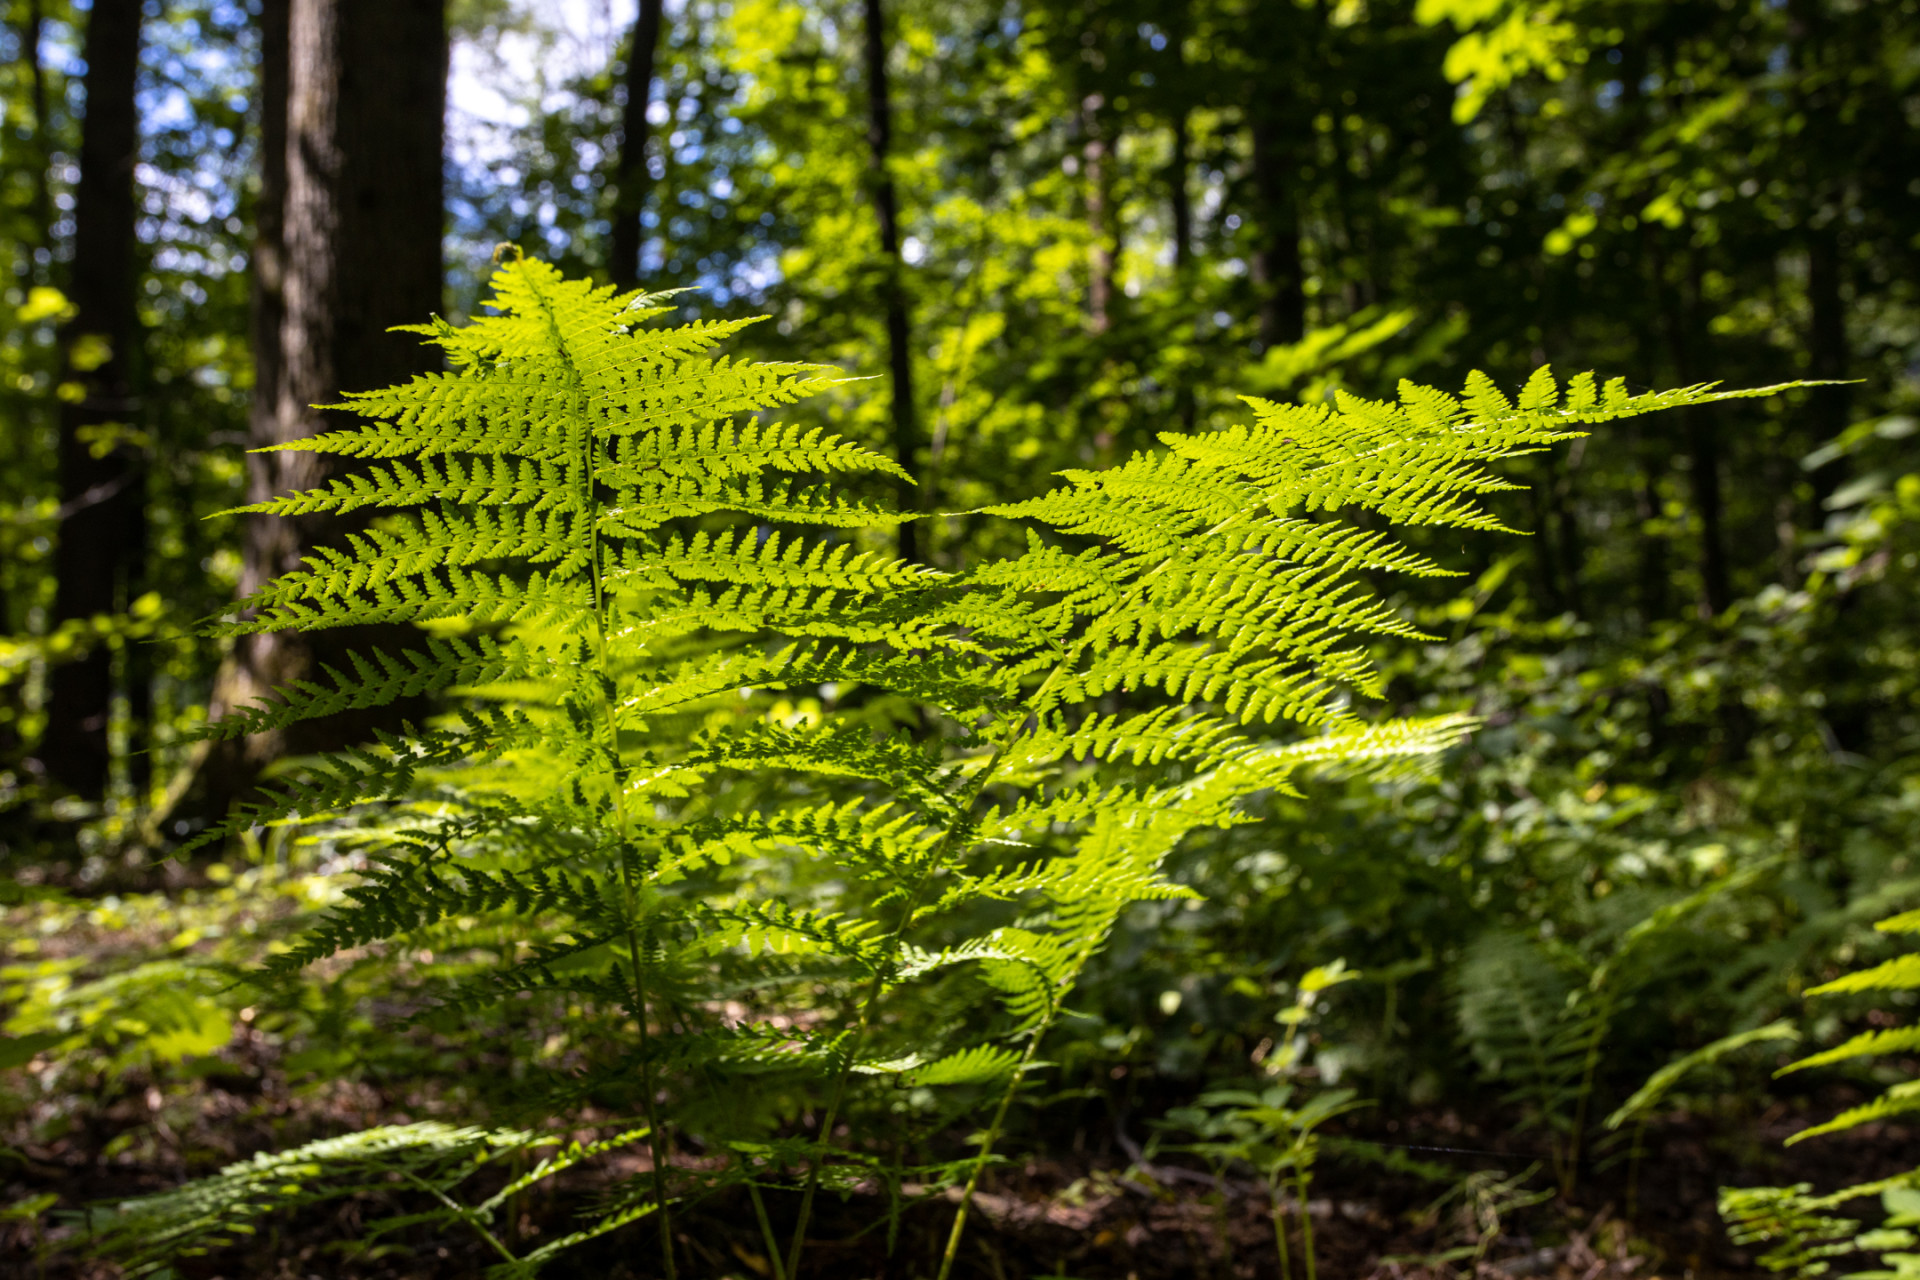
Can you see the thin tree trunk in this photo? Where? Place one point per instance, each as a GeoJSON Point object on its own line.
{"type": "Point", "coordinates": [1809, 32]}
{"type": "Point", "coordinates": [1703, 446]}
{"type": "Point", "coordinates": [1829, 409]}
{"type": "Point", "coordinates": [1184, 401]}
{"type": "Point", "coordinates": [906, 426]}
{"type": "Point", "coordinates": [1276, 260]}
{"type": "Point", "coordinates": [1179, 197]}
{"type": "Point", "coordinates": [254, 666]}
{"type": "Point", "coordinates": [102, 530]}
{"type": "Point", "coordinates": [1699, 426]}
{"type": "Point", "coordinates": [1100, 248]}
{"type": "Point", "coordinates": [1566, 513]}
{"type": "Point", "coordinates": [630, 188]}
{"type": "Point", "coordinates": [1648, 508]}
{"type": "Point", "coordinates": [358, 250]}
{"type": "Point", "coordinates": [37, 77]}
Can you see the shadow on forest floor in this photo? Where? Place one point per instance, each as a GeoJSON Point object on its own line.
{"type": "Point", "coordinates": [1079, 1217]}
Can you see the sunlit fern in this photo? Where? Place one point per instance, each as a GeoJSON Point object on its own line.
{"type": "Point", "coordinates": [627, 566]}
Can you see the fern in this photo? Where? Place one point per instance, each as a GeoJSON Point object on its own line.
{"type": "Point", "coordinates": [628, 570]}
{"type": "Point", "coordinates": [1793, 1220]}
{"type": "Point", "coordinates": [429, 1160]}
{"type": "Point", "coordinates": [1536, 1016]}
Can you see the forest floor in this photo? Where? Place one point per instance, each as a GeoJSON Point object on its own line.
{"type": "Point", "coordinates": [1091, 1207]}
{"type": "Point", "coordinates": [1083, 1216]}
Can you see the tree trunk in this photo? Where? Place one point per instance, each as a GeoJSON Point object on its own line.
{"type": "Point", "coordinates": [1685, 340]}
{"type": "Point", "coordinates": [37, 78]}
{"type": "Point", "coordinates": [630, 188]}
{"type": "Point", "coordinates": [1179, 197]}
{"type": "Point", "coordinates": [906, 425]}
{"type": "Point", "coordinates": [1648, 507]}
{"type": "Point", "coordinates": [1100, 237]}
{"type": "Point", "coordinates": [1829, 409]}
{"type": "Point", "coordinates": [1276, 259]}
{"type": "Point", "coordinates": [102, 529]}
{"type": "Point", "coordinates": [1703, 447]}
{"type": "Point", "coordinates": [357, 249]}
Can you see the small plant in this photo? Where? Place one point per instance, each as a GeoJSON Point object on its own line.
{"type": "Point", "coordinates": [767, 815]}
{"type": "Point", "coordinates": [1272, 1129]}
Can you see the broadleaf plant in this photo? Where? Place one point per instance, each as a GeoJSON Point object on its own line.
{"type": "Point", "coordinates": [629, 572]}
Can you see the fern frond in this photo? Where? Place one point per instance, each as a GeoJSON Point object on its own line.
{"type": "Point", "coordinates": [1866, 1044]}
{"type": "Point", "coordinates": [1901, 1099]}
{"type": "Point", "coordinates": [381, 677]}
{"type": "Point", "coordinates": [1902, 973]}
{"type": "Point", "coordinates": [208, 1213]}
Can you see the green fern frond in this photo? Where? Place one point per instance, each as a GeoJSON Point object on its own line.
{"type": "Point", "coordinates": [1866, 1044]}
{"type": "Point", "coordinates": [205, 1214]}
{"type": "Point", "coordinates": [1902, 973]}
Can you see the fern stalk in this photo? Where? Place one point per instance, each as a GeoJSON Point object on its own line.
{"type": "Point", "coordinates": [1278, 1200]}
{"type": "Point", "coordinates": [602, 618]}
{"type": "Point", "coordinates": [952, 1250]}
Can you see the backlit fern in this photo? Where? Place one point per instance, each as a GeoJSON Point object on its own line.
{"type": "Point", "coordinates": [712, 753]}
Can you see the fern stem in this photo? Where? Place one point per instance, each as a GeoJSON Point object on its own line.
{"type": "Point", "coordinates": [461, 1211]}
{"type": "Point", "coordinates": [766, 1230]}
{"type": "Point", "coordinates": [870, 1002]}
{"type": "Point", "coordinates": [1069, 658]}
{"type": "Point", "coordinates": [602, 607]}
{"type": "Point", "coordinates": [1602, 1020]}
{"type": "Point", "coordinates": [1277, 1199]}
{"type": "Point", "coordinates": [1306, 1224]}
{"type": "Point", "coordinates": [986, 1149]}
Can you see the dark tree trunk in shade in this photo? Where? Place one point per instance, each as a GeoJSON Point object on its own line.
{"type": "Point", "coordinates": [630, 188]}
{"type": "Point", "coordinates": [1101, 249]}
{"type": "Point", "coordinates": [1568, 542]}
{"type": "Point", "coordinates": [37, 79]}
{"type": "Point", "coordinates": [1700, 430]}
{"type": "Point", "coordinates": [1178, 197]}
{"type": "Point", "coordinates": [1654, 571]}
{"type": "Point", "coordinates": [102, 528]}
{"type": "Point", "coordinates": [269, 277]}
{"type": "Point", "coordinates": [358, 249]}
{"type": "Point", "coordinates": [1276, 256]}
{"type": "Point", "coordinates": [1703, 447]}
{"type": "Point", "coordinates": [906, 423]}
{"type": "Point", "coordinates": [1828, 408]}
{"type": "Point", "coordinates": [1185, 403]}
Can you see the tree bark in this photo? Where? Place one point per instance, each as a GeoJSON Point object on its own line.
{"type": "Point", "coordinates": [1654, 572]}
{"type": "Point", "coordinates": [1101, 252]}
{"type": "Point", "coordinates": [631, 186]}
{"type": "Point", "coordinates": [906, 425]}
{"type": "Point", "coordinates": [102, 527]}
{"type": "Point", "coordinates": [1703, 446]}
{"type": "Point", "coordinates": [1178, 196]}
{"type": "Point", "coordinates": [37, 78]}
{"type": "Point", "coordinates": [351, 247]}
{"type": "Point", "coordinates": [1829, 409]}
{"type": "Point", "coordinates": [1276, 258]}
